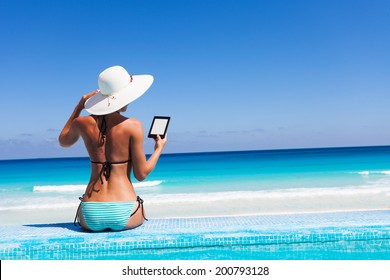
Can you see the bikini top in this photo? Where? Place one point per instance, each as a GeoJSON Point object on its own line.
{"type": "Point", "coordinates": [106, 167]}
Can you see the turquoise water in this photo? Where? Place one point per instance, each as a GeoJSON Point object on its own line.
{"type": "Point", "coordinates": [46, 191]}
{"type": "Point", "coordinates": [353, 235]}
{"type": "Point", "coordinates": [202, 184]}
{"type": "Point", "coordinates": [342, 250]}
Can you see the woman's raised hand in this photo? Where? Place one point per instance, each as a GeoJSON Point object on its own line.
{"type": "Point", "coordinates": [85, 97]}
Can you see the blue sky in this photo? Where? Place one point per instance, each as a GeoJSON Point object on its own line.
{"type": "Point", "coordinates": [233, 75]}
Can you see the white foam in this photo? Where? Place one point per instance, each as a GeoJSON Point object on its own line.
{"type": "Point", "coordinates": [57, 188]}
{"type": "Point", "coordinates": [305, 193]}
{"type": "Point", "coordinates": [81, 188]}
{"type": "Point", "coordinates": [380, 191]}
{"type": "Point", "coordinates": [148, 184]}
{"type": "Point", "coordinates": [374, 172]}
{"type": "Point", "coordinates": [35, 206]}
{"type": "Point", "coordinates": [33, 202]}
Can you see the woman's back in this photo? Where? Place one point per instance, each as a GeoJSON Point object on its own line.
{"type": "Point", "coordinates": [108, 142]}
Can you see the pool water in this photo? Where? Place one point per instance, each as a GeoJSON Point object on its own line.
{"type": "Point", "coordinates": [340, 250]}
{"type": "Point", "coordinates": [355, 235]}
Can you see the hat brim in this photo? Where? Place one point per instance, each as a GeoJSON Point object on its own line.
{"type": "Point", "coordinates": [100, 104]}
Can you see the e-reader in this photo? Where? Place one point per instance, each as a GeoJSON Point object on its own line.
{"type": "Point", "coordinates": [159, 127]}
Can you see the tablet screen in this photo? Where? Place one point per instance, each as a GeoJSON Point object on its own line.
{"type": "Point", "coordinates": [159, 126]}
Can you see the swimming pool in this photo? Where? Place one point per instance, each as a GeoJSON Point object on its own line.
{"type": "Point", "coordinates": [344, 235]}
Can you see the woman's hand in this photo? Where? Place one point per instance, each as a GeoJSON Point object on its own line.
{"type": "Point", "coordinates": [85, 97]}
{"type": "Point", "coordinates": [70, 133]}
{"type": "Point", "coordinates": [160, 143]}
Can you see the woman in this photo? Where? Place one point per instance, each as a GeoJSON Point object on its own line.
{"type": "Point", "coordinates": [115, 147]}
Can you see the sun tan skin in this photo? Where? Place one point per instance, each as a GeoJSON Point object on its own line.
{"type": "Point", "coordinates": [124, 140]}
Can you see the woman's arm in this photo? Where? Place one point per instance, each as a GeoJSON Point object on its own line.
{"type": "Point", "coordinates": [141, 166]}
{"type": "Point", "coordinates": [70, 133]}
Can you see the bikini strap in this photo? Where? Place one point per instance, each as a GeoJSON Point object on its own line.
{"type": "Point", "coordinates": [106, 168]}
{"type": "Point", "coordinates": [105, 171]}
{"type": "Point", "coordinates": [77, 212]}
{"type": "Point", "coordinates": [140, 202]}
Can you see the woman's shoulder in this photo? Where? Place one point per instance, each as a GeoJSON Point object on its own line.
{"type": "Point", "coordinates": [84, 120]}
{"type": "Point", "coordinates": [133, 122]}
{"type": "Point", "coordinates": [133, 126]}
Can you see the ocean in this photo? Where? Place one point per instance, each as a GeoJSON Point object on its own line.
{"type": "Point", "coordinates": [209, 184]}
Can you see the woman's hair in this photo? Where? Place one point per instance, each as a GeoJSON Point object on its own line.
{"type": "Point", "coordinates": [102, 131]}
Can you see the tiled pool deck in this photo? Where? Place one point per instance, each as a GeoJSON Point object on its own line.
{"type": "Point", "coordinates": [159, 236]}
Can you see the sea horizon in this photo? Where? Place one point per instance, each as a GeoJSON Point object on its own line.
{"type": "Point", "coordinates": [219, 152]}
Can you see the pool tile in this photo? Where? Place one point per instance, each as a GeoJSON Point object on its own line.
{"type": "Point", "coordinates": [65, 241]}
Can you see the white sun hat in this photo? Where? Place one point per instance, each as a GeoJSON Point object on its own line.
{"type": "Point", "coordinates": [117, 89]}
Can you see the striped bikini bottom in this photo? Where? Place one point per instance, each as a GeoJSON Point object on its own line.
{"type": "Point", "coordinates": [100, 216]}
